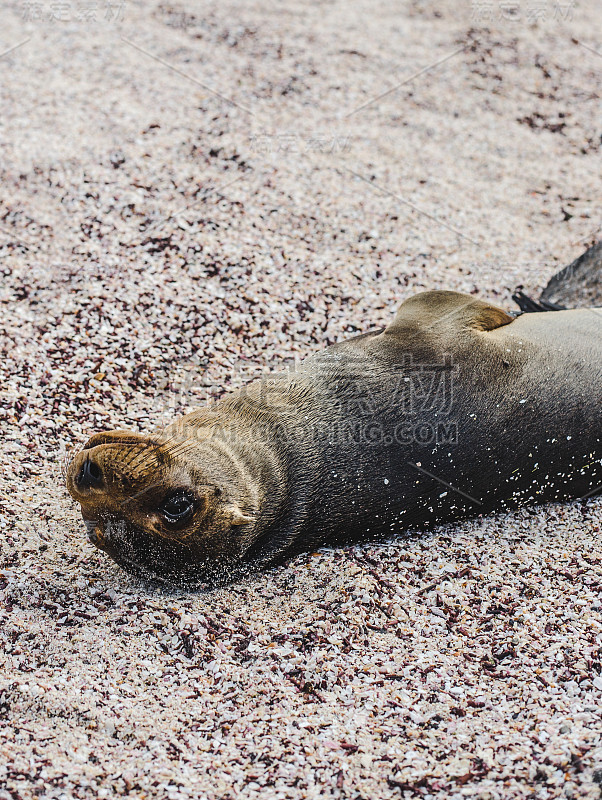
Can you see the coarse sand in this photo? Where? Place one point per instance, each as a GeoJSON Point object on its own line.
{"type": "Point", "coordinates": [196, 192]}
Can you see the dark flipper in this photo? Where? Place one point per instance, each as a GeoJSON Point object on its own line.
{"type": "Point", "coordinates": [528, 305]}
{"type": "Point", "coordinates": [580, 284]}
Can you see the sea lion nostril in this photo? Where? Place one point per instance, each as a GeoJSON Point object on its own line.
{"type": "Point", "coordinates": [90, 475]}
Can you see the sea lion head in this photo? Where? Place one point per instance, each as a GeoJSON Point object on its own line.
{"type": "Point", "coordinates": [167, 508]}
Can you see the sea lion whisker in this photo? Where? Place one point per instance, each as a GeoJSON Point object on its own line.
{"type": "Point", "coordinates": [176, 438]}
{"type": "Point", "coordinates": [182, 448]}
{"type": "Point", "coordinates": [135, 458]}
{"type": "Point", "coordinates": [181, 445]}
{"type": "Point", "coordinates": [132, 451]}
{"type": "Point", "coordinates": [163, 445]}
{"type": "Point", "coordinates": [66, 458]}
{"type": "Point", "coordinates": [145, 453]}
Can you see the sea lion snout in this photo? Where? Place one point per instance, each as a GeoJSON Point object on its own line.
{"type": "Point", "coordinates": [84, 476]}
{"type": "Point", "coordinates": [111, 466]}
{"type": "Point", "coordinates": [89, 476]}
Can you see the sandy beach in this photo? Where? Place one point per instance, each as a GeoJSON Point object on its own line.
{"type": "Point", "coordinates": [192, 194]}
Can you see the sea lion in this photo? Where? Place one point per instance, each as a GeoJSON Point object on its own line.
{"type": "Point", "coordinates": [455, 409]}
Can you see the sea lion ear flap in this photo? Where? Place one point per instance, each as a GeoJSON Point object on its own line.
{"type": "Point", "coordinates": [431, 310]}
{"type": "Point", "coordinates": [485, 317]}
{"type": "Point", "coordinates": [235, 516]}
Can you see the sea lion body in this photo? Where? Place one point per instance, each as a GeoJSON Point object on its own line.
{"type": "Point", "coordinates": [454, 409]}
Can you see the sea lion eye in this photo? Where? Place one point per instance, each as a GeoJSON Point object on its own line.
{"type": "Point", "coordinates": [177, 508]}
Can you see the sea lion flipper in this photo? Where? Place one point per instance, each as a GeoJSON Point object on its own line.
{"type": "Point", "coordinates": [580, 284]}
{"type": "Point", "coordinates": [529, 306]}
{"type": "Point", "coordinates": [435, 308]}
